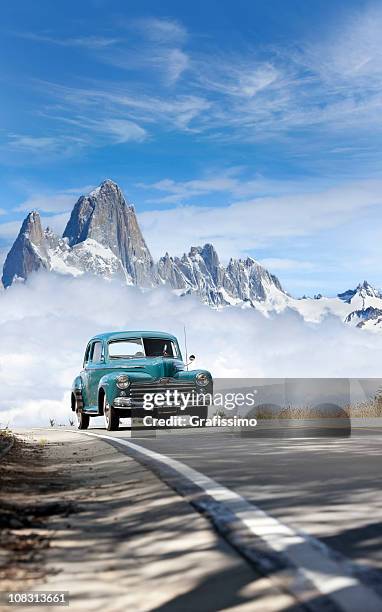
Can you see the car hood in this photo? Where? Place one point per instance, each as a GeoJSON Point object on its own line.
{"type": "Point", "coordinates": [155, 367]}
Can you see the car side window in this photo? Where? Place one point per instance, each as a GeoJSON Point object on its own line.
{"type": "Point", "coordinates": [87, 353]}
{"type": "Point", "coordinates": [96, 352]}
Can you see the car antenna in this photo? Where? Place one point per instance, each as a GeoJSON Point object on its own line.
{"type": "Point", "coordinates": [185, 345]}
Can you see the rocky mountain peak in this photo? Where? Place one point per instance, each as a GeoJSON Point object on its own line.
{"type": "Point", "coordinates": [32, 228]}
{"type": "Point", "coordinates": [104, 216]}
{"type": "Point", "coordinates": [363, 290]}
{"type": "Point", "coordinates": [107, 188]}
{"type": "Point", "coordinates": [366, 289]}
{"type": "Point", "coordinates": [28, 253]}
{"type": "Point", "coordinates": [103, 237]}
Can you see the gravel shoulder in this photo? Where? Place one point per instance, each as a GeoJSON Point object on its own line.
{"type": "Point", "coordinates": [85, 518]}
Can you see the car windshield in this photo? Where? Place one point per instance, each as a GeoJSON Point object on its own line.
{"type": "Point", "coordinates": [133, 348]}
{"type": "Point", "coordinates": [160, 347]}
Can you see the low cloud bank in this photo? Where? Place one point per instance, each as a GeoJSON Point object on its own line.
{"type": "Point", "coordinates": [46, 323]}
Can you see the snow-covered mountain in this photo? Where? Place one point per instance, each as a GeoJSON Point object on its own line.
{"type": "Point", "coordinates": [358, 307]}
{"type": "Point", "coordinates": [104, 217]}
{"type": "Point", "coordinates": [242, 282]}
{"type": "Point", "coordinates": [103, 237]}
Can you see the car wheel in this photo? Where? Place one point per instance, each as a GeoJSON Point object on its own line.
{"type": "Point", "coordinates": [82, 419]}
{"type": "Point", "coordinates": [110, 415]}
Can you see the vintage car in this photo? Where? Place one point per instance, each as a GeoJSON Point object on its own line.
{"type": "Point", "coordinates": [123, 370]}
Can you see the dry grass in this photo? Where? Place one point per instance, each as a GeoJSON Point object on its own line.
{"type": "Point", "coordinates": [5, 433]}
{"type": "Point", "coordinates": [371, 409]}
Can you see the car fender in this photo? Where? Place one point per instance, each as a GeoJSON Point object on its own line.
{"type": "Point", "coordinates": [192, 374]}
{"type": "Point", "coordinates": [109, 385]}
{"type": "Point", "coordinates": [77, 398]}
{"type": "Point", "coordinates": [77, 384]}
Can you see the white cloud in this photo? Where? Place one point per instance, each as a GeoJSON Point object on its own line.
{"type": "Point", "coordinates": [3, 255]}
{"type": "Point", "coordinates": [52, 201]}
{"type": "Point", "coordinates": [44, 330]}
{"type": "Point", "coordinates": [351, 51]}
{"type": "Point", "coordinates": [237, 76]}
{"type": "Point", "coordinates": [176, 63]}
{"type": "Point", "coordinates": [255, 223]}
{"type": "Point", "coordinates": [85, 42]}
{"type": "Point", "coordinates": [228, 182]}
{"type": "Point", "coordinates": [33, 143]}
{"type": "Point", "coordinates": [162, 31]}
{"type": "Point", "coordinates": [111, 129]}
{"type": "Point", "coordinates": [9, 230]}
{"type": "Point", "coordinates": [277, 263]}
{"type": "Point", "coordinates": [42, 147]}
{"type": "Point", "coordinates": [56, 222]}
{"type": "Point", "coordinates": [152, 44]}
{"type": "Point", "coordinates": [108, 101]}
{"type": "Point", "coordinates": [121, 130]}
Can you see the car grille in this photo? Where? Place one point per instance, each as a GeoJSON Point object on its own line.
{"type": "Point", "coordinates": [138, 390]}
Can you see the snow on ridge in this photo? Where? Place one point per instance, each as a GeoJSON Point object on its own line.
{"type": "Point", "coordinates": [103, 238]}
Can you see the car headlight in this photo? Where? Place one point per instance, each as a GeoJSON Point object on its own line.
{"type": "Point", "coordinates": [202, 379]}
{"type": "Point", "coordinates": [123, 382]}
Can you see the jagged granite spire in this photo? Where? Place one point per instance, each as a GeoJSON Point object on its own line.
{"type": "Point", "coordinates": [249, 281]}
{"type": "Point", "coordinates": [103, 237]}
{"type": "Point", "coordinates": [202, 273]}
{"type": "Point", "coordinates": [104, 216]}
{"type": "Point", "coordinates": [198, 272]}
{"type": "Point", "coordinates": [28, 253]}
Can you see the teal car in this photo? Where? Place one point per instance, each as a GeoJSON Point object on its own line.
{"type": "Point", "coordinates": [135, 373]}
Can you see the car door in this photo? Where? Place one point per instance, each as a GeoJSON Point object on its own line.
{"type": "Point", "coordinates": [84, 376]}
{"type": "Point", "coordinates": [94, 371]}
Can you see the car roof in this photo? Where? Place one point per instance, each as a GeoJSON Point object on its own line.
{"type": "Point", "coordinates": [132, 334]}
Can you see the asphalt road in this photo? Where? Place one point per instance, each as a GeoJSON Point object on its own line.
{"type": "Point", "coordinates": [329, 488]}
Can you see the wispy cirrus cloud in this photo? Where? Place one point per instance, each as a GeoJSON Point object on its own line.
{"type": "Point", "coordinates": [85, 42]}
{"type": "Point", "coordinates": [321, 93]}
{"type": "Point", "coordinates": [230, 184]}
{"type": "Point", "coordinates": [281, 264]}
{"type": "Point", "coordinates": [162, 31]}
{"type": "Point", "coordinates": [155, 45]}
{"type": "Point", "coordinates": [41, 147]}
{"type": "Point", "coordinates": [24, 142]}
{"type": "Point", "coordinates": [114, 129]}
{"type": "Point", "coordinates": [166, 38]}
{"type": "Point", "coordinates": [351, 51]}
{"type": "Point", "coordinates": [180, 112]}
{"type": "Point", "coordinates": [49, 201]}
{"type": "Point", "coordinates": [86, 132]}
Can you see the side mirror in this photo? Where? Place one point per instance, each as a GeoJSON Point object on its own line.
{"type": "Point", "coordinates": [190, 360]}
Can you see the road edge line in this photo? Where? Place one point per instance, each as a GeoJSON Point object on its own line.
{"type": "Point", "coordinates": [263, 540]}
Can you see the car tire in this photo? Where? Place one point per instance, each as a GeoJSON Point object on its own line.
{"type": "Point", "coordinates": [83, 420]}
{"type": "Point", "coordinates": [111, 416]}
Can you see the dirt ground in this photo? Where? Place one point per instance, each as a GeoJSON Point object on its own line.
{"type": "Point", "coordinates": [79, 516]}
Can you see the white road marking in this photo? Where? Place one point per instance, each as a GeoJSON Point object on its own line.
{"type": "Point", "coordinates": [313, 559]}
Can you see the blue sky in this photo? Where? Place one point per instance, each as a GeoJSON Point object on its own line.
{"type": "Point", "coordinates": [255, 125]}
